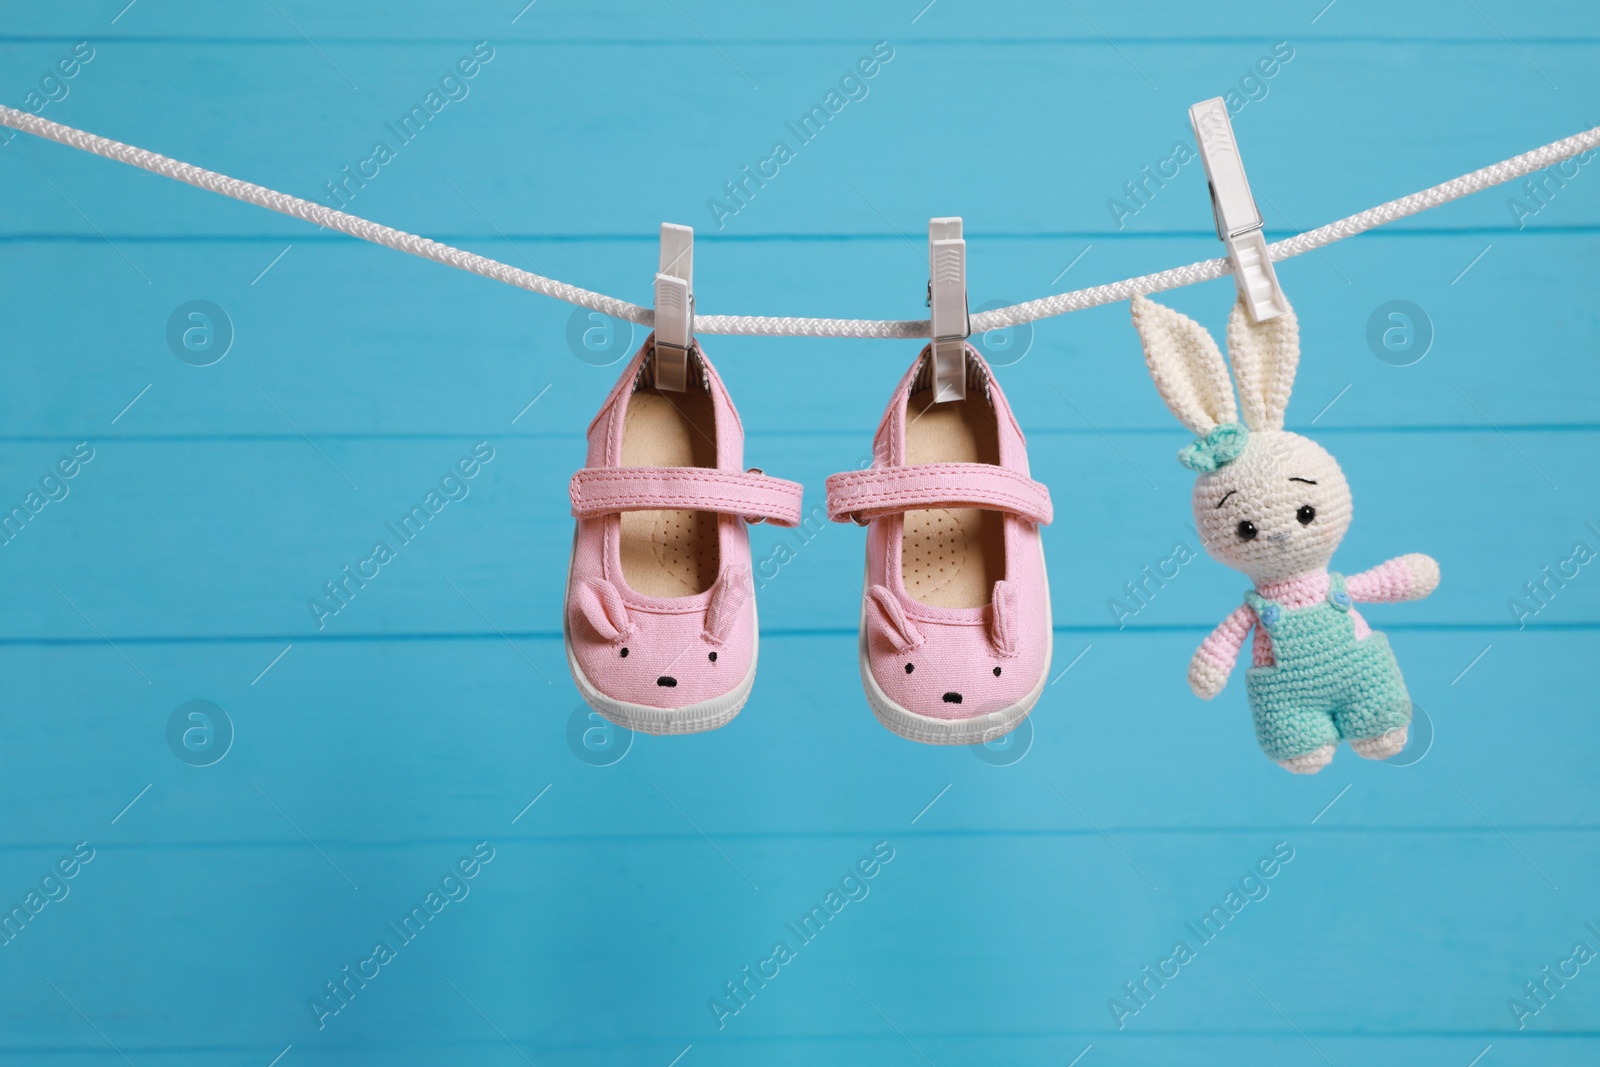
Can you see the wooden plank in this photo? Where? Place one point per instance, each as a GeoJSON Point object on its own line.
{"type": "Point", "coordinates": [723, 22]}
{"type": "Point", "coordinates": [622, 969]}
{"type": "Point", "coordinates": [380, 744]}
{"type": "Point", "coordinates": [1322, 141]}
{"type": "Point", "coordinates": [233, 538]}
{"type": "Point", "coordinates": [350, 340]}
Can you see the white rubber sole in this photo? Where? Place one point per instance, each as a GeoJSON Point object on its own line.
{"type": "Point", "coordinates": [689, 719]}
{"type": "Point", "coordinates": [931, 731]}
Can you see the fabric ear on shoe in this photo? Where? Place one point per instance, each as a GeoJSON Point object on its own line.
{"type": "Point", "coordinates": [1004, 625]}
{"type": "Point", "coordinates": [602, 606]}
{"type": "Point", "coordinates": [888, 619]}
{"type": "Point", "coordinates": [731, 591]}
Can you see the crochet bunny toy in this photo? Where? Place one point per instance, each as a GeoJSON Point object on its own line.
{"type": "Point", "coordinates": [1275, 505]}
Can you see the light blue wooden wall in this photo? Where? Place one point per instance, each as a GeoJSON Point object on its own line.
{"type": "Point", "coordinates": [425, 717]}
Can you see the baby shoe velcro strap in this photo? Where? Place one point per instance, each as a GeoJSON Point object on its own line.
{"type": "Point", "coordinates": [861, 496]}
{"type": "Point", "coordinates": [597, 491]}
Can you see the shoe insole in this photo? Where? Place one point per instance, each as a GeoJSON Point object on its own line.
{"type": "Point", "coordinates": [669, 553]}
{"type": "Point", "coordinates": [951, 557]}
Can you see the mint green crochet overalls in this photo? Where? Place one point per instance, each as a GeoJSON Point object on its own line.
{"type": "Point", "coordinates": [1324, 684]}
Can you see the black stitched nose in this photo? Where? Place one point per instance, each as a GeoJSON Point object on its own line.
{"type": "Point", "coordinates": [952, 698]}
{"type": "Point", "coordinates": [670, 682]}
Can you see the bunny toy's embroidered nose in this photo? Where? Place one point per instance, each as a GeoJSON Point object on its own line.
{"type": "Point", "coordinates": [952, 698]}
{"type": "Point", "coordinates": [666, 681]}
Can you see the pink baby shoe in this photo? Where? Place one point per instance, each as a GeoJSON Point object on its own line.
{"type": "Point", "coordinates": [660, 618]}
{"type": "Point", "coordinates": [955, 617]}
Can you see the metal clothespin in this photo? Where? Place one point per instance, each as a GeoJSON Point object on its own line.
{"type": "Point", "coordinates": [947, 304]}
{"type": "Point", "coordinates": [1238, 220]}
{"type": "Point", "coordinates": [674, 308]}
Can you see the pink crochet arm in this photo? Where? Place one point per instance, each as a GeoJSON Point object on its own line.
{"type": "Point", "coordinates": [1408, 577]}
{"type": "Point", "coordinates": [1213, 661]}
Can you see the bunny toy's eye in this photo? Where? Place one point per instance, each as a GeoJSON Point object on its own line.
{"type": "Point", "coordinates": [1306, 514]}
{"type": "Point", "coordinates": [1247, 530]}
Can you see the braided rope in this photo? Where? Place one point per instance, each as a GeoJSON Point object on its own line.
{"type": "Point", "coordinates": [1015, 315]}
{"type": "Point", "coordinates": [1497, 174]}
{"type": "Point", "coordinates": [307, 211]}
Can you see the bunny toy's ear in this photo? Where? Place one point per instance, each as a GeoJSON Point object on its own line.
{"type": "Point", "coordinates": [1186, 366]}
{"type": "Point", "coordinates": [1264, 357]}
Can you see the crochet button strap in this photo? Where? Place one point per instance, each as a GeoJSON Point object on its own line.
{"type": "Point", "coordinates": [864, 495]}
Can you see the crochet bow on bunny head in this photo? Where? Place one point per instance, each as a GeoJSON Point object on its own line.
{"type": "Point", "coordinates": [1269, 503]}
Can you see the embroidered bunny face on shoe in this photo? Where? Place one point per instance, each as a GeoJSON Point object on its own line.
{"type": "Point", "coordinates": [934, 664]}
{"type": "Point", "coordinates": [658, 654]}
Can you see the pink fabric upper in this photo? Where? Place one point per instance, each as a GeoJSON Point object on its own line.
{"type": "Point", "coordinates": [1386, 583]}
{"type": "Point", "coordinates": [703, 643]}
{"type": "Point", "coordinates": [950, 650]}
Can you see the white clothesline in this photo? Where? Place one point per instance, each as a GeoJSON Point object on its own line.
{"type": "Point", "coordinates": [1014, 315]}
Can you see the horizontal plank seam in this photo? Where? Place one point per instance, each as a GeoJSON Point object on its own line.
{"type": "Point", "coordinates": [310, 639]}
